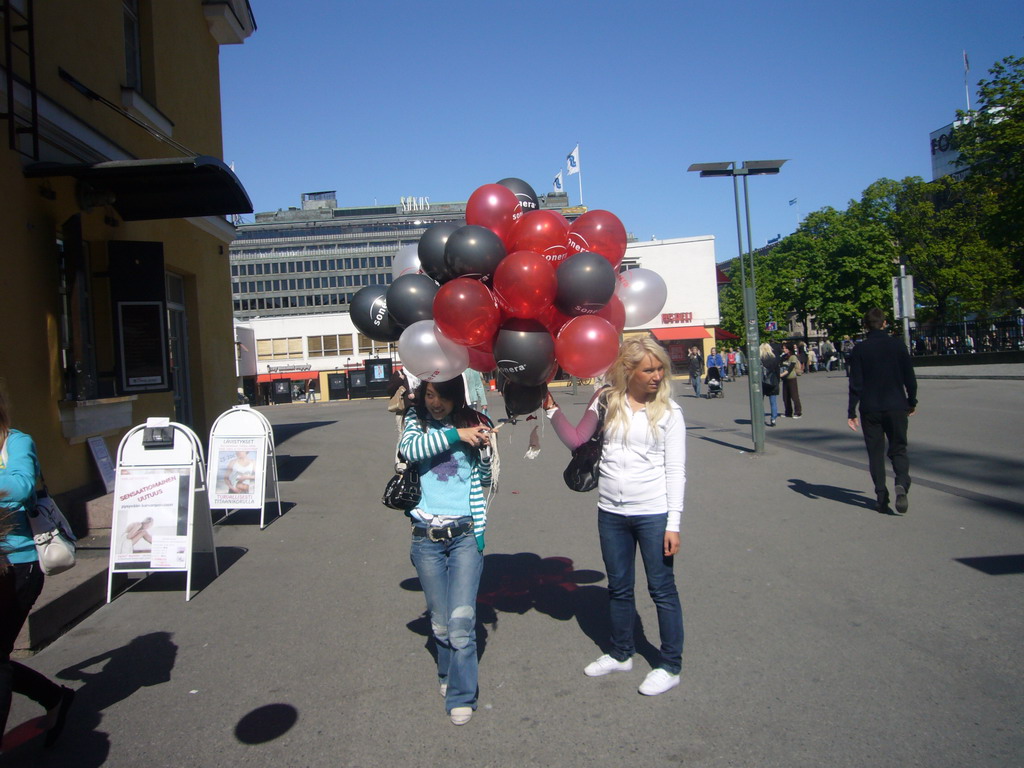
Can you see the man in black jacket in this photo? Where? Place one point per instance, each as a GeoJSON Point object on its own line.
{"type": "Point", "coordinates": [882, 382]}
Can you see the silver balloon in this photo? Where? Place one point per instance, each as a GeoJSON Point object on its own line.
{"type": "Point", "coordinates": [406, 261]}
{"type": "Point", "coordinates": [643, 294]}
{"type": "Point", "coordinates": [429, 355]}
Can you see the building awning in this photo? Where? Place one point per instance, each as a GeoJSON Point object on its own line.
{"type": "Point", "coordinates": [679, 333]}
{"type": "Point", "coordinates": [159, 188]}
{"type": "Point", "coordinates": [290, 375]}
{"type": "Point", "coordinates": [723, 335]}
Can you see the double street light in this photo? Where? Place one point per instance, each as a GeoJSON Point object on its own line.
{"type": "Point", "coordinates": [745, 169]}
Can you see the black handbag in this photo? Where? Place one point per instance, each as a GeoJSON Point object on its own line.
{"type": "Point", "coordinates": [585, 466]}
{"type": "Point", "coordinates": [403, 491]}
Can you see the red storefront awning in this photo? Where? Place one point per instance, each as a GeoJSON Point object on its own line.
{"type": "Point", "coordinates": [681, 332]}
{"type": "Point", "coordinates": [723, 335]}
{"type": "Point", "coordinates": [292, 375]}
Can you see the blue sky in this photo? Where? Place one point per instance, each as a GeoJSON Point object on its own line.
{"type": "Point", "coordinates": [380, 100]}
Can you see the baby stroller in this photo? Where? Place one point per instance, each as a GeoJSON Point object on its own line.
{"type": "Point", "coordinates": [714, 382]}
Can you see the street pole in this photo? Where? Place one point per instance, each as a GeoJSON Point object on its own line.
{"type": "Point", "coordinates": [753, 340]}
{"type": "Point", "coordinates": [747, 168]}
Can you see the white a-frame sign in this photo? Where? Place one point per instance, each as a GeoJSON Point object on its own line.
{"type": "Point", "coordinates": [160, 475]}
{"type": "Point", "coordinates": [241, 450]}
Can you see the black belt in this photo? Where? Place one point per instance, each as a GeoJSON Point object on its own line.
{"type": "Point", "coordinates": [444, 532]}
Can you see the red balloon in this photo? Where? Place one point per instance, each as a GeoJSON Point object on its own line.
{"type": "Point", "coordinates": [615, 313]}
{"type": "Point", "coordinates": [524, 284]}
{"type": "Point", "coordinates": [587, 346]}
{"type": "Point", "coordinates": [496, 207]}
{"type": "Point", "coordinates": [482, 360]}
{"type": "Point", "coordinates": [465, 312]}
{"type": "Point", "coordinates": [553, 319]}
{"type": "Point", "coordinates": [542, 232]}
{"type": "Point", "coordinates": [599, 232]}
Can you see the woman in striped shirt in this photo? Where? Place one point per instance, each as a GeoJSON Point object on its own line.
{"type": "Point", "coordinates": [450, 443]}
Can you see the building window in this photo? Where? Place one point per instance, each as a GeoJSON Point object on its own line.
{"type": "Point", "coordinates": [279, 349]}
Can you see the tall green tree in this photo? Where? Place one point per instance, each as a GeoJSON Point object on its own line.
{"type": "Point", "coordinates": [935, 229]}
{"type": "Point", "coordinates": [991, 144]}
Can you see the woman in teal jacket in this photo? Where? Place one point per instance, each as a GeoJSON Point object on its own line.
{"type": "Point", "coordinates": [21, 580]}
{"type": "Point", "coordinates": [450, 444]}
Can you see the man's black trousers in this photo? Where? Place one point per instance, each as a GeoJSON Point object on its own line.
{"type": "Point", "coordinates": [879, 427]}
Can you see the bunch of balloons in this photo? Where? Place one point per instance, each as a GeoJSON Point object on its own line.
{"type": "Point", "coordinates": [515, 288]}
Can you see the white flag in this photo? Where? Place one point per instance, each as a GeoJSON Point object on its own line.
{"type": "Point", "coordinates": [557, 183]}
{"type": "Point", "coordinates": [572, 161]}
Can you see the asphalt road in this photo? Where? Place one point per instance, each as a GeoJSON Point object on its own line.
{"type": "Point", "coordinates": [818, 632]}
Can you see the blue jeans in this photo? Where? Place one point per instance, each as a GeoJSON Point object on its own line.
{"type": "Point", "coordinates": [773, 404]}
{"type": "Point", "coordinates": [695, 381]}
{"type": "Point", "coordinates": [620, 535]}
{"type": "Point", "coordinates": [449, 573]}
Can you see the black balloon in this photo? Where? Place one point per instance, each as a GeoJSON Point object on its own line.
{"type": "Point", "coordinates": [431, 250]}
{"type": "Point", "coordinates": [369, 313]}
{"type": "Point", "coordinates": [473, 251]}
{"type": "Point", "coordinates": [527, 197]}
{"type": "Point", "coordinates": [521, 399]}
{"type": "Point", "coordinates": [586, 282]}
{"type": "Point", "coordinates": [525, 352]}
{"type": "Point", "coordinates": [411, 298]}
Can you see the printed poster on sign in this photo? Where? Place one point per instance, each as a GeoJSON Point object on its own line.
{"type": "Point", "coordinates": [151, 517]}
{"type": "Point", "coordinates": [239, 463]}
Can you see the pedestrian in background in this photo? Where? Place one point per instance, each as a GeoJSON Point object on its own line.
{"type": "Point", "coordinates": [790, 368]}
{"type": "Point", "coordinates": [741, 363]}
{"type": "Point", "coordinates": [640, 501]}
{"type": "Point", "coordinates": [770, 379]}
{"type": "Point", "coordinates": [476, 392]}
{"type": "Point", "coordinates": [715, 360]}
{"type": "Point", "coordinates": [696, 363]}
{"type": "Point", "coordinates": [883, 385]}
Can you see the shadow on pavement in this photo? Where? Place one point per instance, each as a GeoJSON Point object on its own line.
{"type": "Point", "coordinates": [524, 581]}
{"type": "Point", "coordinates": [289, 468]}
{"type": "Point", "coordinates": [203, 574]}
{"type": "Point", "coordinates": [284, 432]}
{"type": "Point", "coordinates": [252, 516]}
{"type": "Point", "coordinates": [266, 723]}
{"type": "Point", "coordinates": [995, 565]}
{"type": "Point", "coordinates": [146, 661]}
{"type": "Point", "coordinates": [831, 492]}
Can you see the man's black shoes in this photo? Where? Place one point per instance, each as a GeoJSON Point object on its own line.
{"type": "Point", "coordinates": [902, 502]}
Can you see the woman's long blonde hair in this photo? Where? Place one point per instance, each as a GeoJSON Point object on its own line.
{"type": "Point", "coordinates": [631, 355]}
{"type": "Point", "coordinates": [766, 350]}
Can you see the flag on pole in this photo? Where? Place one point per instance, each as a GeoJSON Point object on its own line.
{"type": "Point", "coordinates": [557, 183]}
{"type": "Point", "coordinates": [572, 161]}
{"type": "Point", "coordinates": [967, 64]}
{"type": "Point", "coordinates": [793, 201]}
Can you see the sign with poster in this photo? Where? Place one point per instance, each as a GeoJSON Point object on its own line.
{"type": "Point", "coordinates": [160, 517]}
{"type": "Point", "coordinates": [242, 462]}
{"type": "Point", "coordinates": [237, 472]}
{"type": "Point", "coordinates": [150, 524]}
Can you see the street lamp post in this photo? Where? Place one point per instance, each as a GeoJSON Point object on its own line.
{"type": "Point", "coordinates": [745, 169]}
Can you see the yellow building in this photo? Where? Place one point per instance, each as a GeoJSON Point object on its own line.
{"type": "Point", "coordinates": [115, 280]}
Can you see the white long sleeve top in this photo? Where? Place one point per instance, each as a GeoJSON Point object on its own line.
{"type": "Point", "coordinates": [642, 473]}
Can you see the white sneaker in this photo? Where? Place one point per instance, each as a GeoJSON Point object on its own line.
{"type": "Point", "coordinates": [461, 715]}
{"type": "Point", "coordinates": [658, 681]}
{"type": "Point", "coordinates": [444, 690]}
{"type": "Point", "coordinates": [605, 665]}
